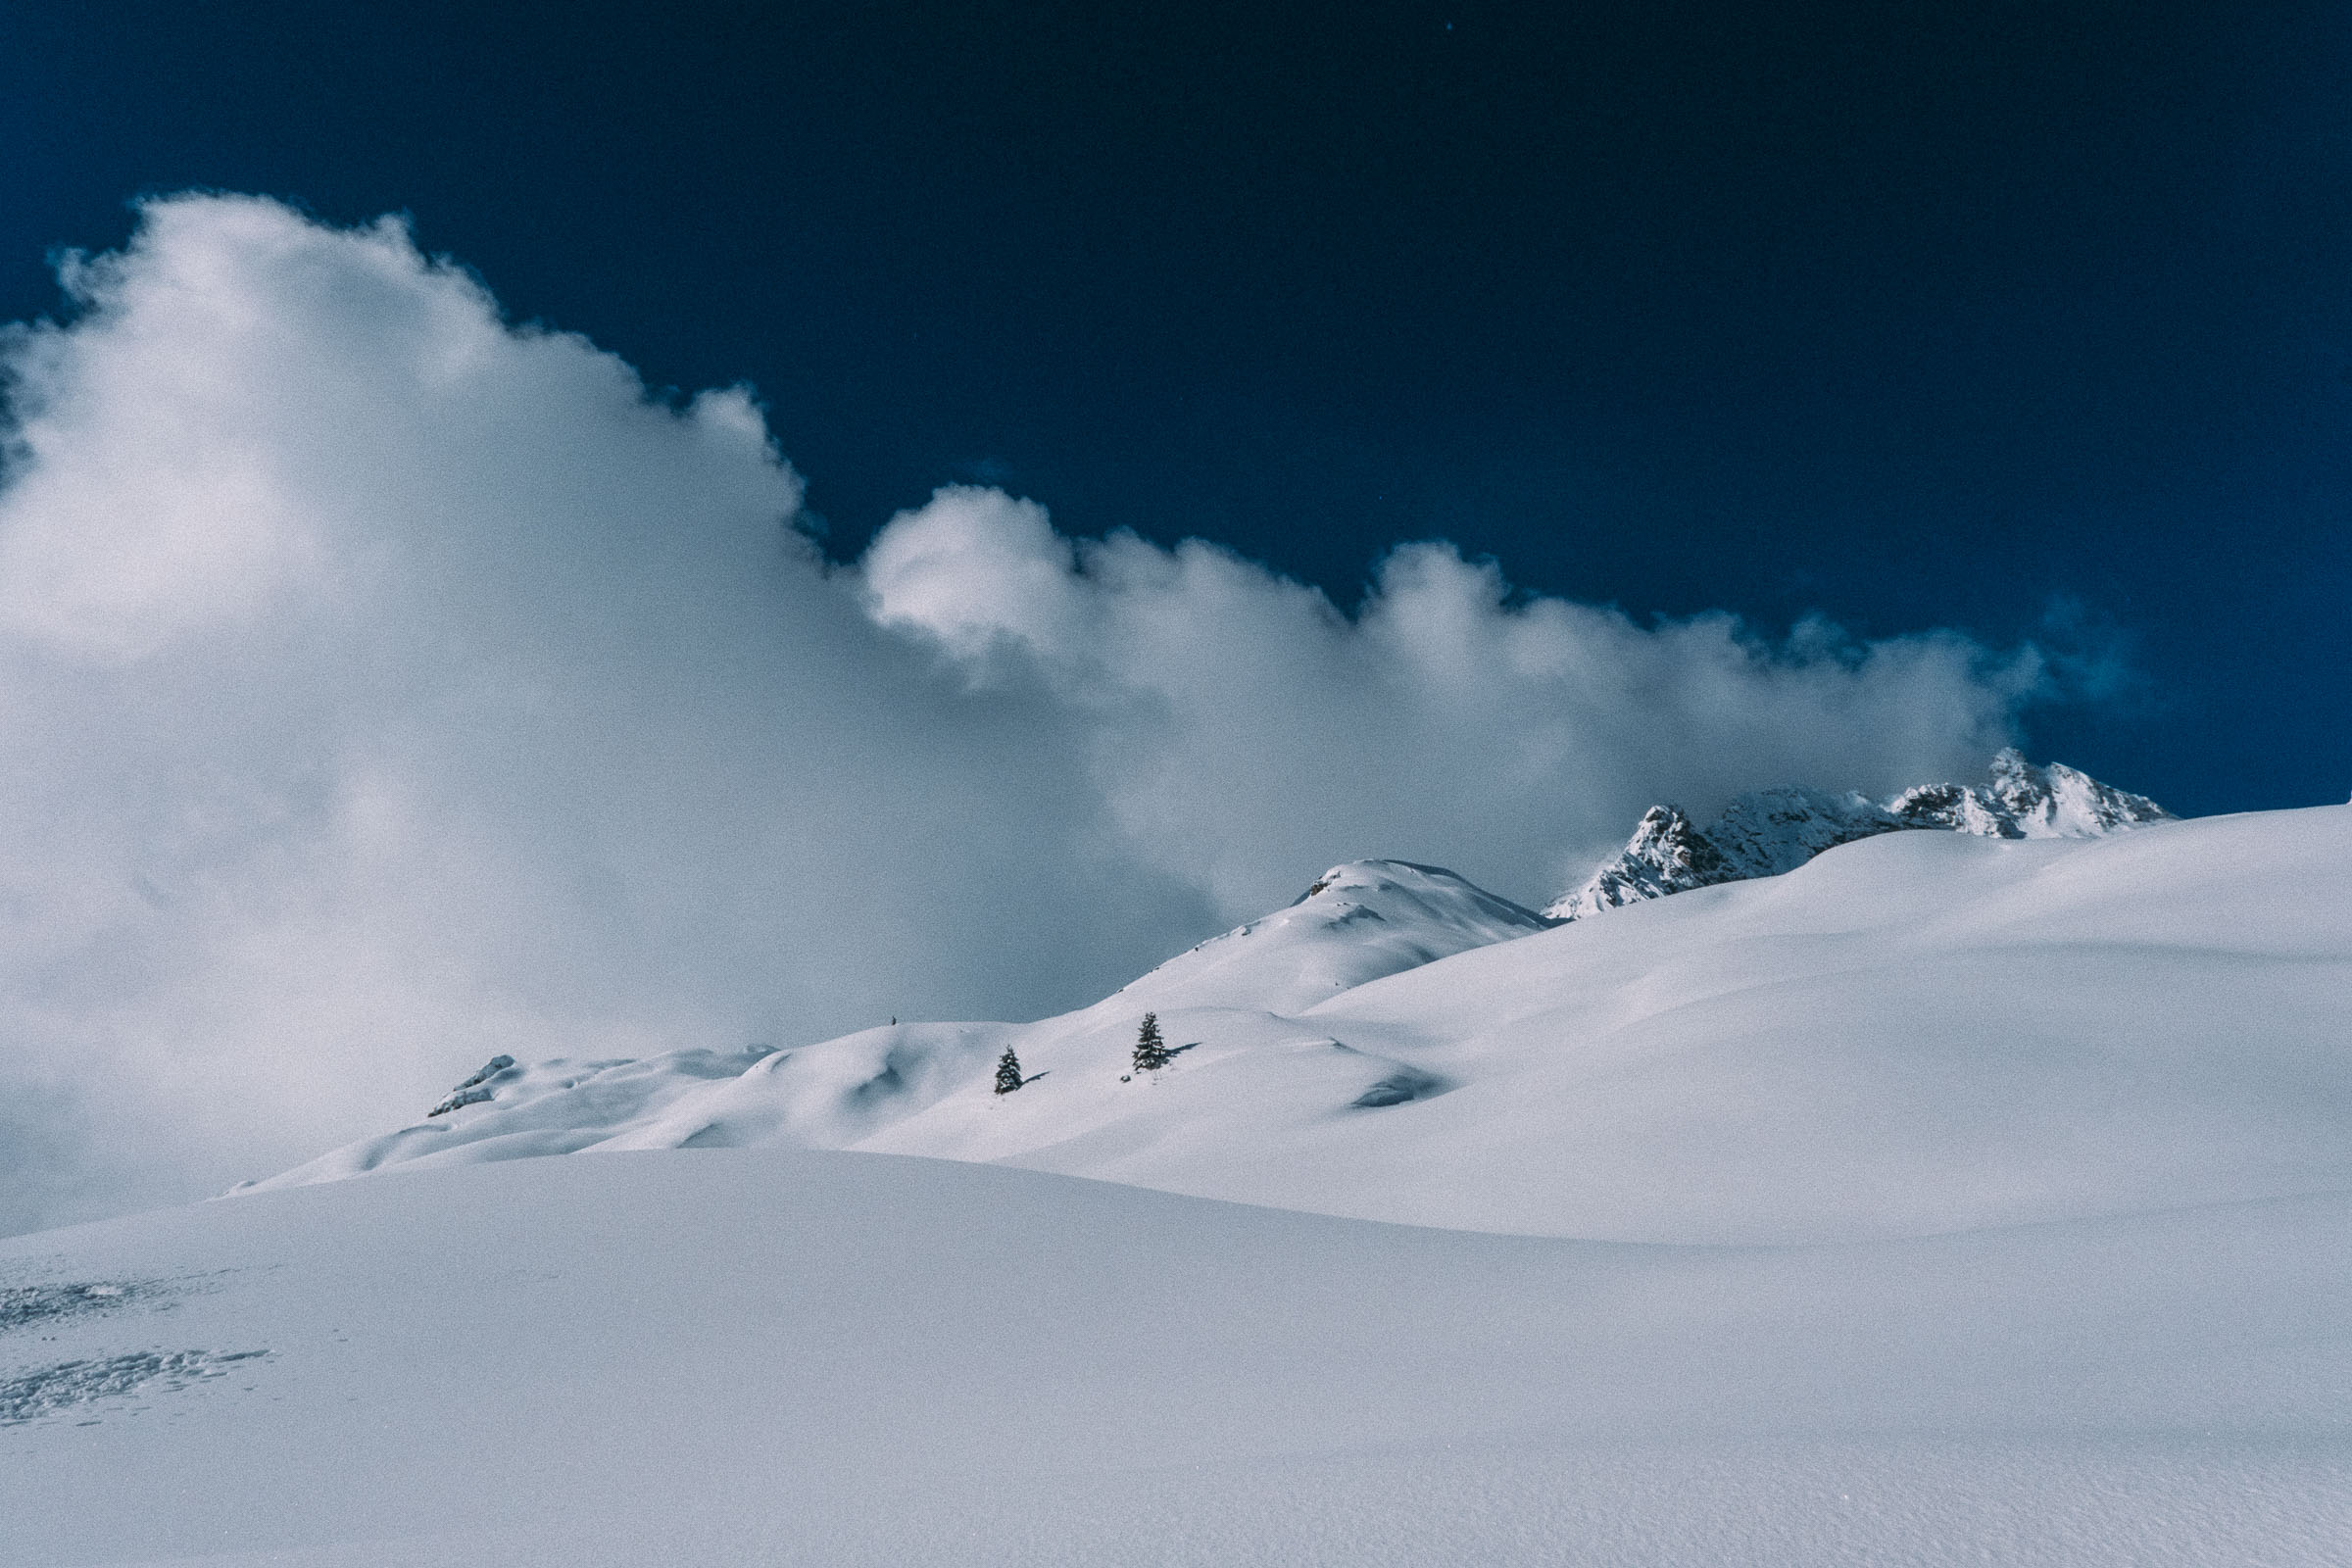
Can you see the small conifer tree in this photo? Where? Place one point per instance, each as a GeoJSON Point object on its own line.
{"type": "Point", "coordinates": [1008, 1072]}
{"type": "Point", "coordinates": [1152, 1051]}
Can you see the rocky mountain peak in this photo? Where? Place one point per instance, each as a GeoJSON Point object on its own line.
{"type": "Point", "coordinates": [1667, 854]}
{"type": "Point", "coordinates": [2023, 802]}
{"type": "Point", "coordinates": [1767, 832]}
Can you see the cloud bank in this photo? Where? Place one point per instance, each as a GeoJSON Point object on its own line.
{"type": "Point", "coordinates": [385, 685]}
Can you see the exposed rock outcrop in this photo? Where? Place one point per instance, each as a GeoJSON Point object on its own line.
{"type": "Point", "coordinates": [1771, 831]}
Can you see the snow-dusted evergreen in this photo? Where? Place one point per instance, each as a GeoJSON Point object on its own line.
{"type": "Point", "coordinates": [1767, 832]}
{"type": "Point", "coordinates": [1152, 1051]}
{"type": "Point", "coordinates": [1008, 1072]}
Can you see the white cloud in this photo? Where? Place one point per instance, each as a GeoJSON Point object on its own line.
{"type": "Point", "coordinates": [1239, 725]}
{"type": "Point", "coordinates": [385, 686]}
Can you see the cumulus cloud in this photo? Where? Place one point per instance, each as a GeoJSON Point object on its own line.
{"type": "Point", "coordinates": [1238, 721]}
{"type": "Point", "coordinates": [386, 685]}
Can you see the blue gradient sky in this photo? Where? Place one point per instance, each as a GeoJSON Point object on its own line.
{"type": "Point", "coordinates": [2025, 320]}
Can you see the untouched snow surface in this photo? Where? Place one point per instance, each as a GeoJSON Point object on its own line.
{"type": "Point", "coordinates": [1912, 1033]}
{"type": "Point", "coordinates": [780, 1356]}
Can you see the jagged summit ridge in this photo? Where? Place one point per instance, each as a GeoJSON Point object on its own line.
{"type": "Point", "coordinates": [2026, 802]}
{"type": "Point", "coordinates": [1667, 854]}
{"type": "Point", "coordinates": [1767, 832]}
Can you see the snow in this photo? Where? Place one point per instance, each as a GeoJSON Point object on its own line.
{"type": "Point", "coordinates": [1909, 1034]}
{"type": "Point", "coordinates": [1767, 832]}
{"type": "Point", "coordinates": [778, 1355]}
{"type": "Point", "coordinates": [1951, 1198]}
{"type": "Point", "coordinates": [2025, 802]}
{"type": "Point", "coordinates": [1356, 923]}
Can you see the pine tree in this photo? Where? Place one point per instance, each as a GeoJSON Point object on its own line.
{"type": "Point", "coordinates": [1008, 1072]}
{"type": "Point", "coordinates": [1152, 1051]}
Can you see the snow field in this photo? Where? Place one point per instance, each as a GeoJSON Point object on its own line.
{"type": "Point", "coordinates": [771, 1355]}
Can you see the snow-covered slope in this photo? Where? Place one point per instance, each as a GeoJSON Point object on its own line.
{"type": "Point", "coordinates": [1914, 1033]}
{"type": "Point", "coordinates": [1767, 832]}
{"type": "Point", "coordinates": [1949, 1199]}
{"type": "Point", "coordinates": [705, 1360]}
{"type": "Point", "coordinates": [1355, 922]}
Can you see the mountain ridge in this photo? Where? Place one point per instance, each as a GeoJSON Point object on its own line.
{"type": "Point", "coordinates": [1768, 832]}
{"type": "Point", "coordinates": [1914, 1033]}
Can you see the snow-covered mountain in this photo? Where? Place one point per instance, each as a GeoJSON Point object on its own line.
{"type": "Point", "coordinates": [1994, 1197]}
{"type": "Point", "coordinates": [1356, 923]}
{"type": "Point", "coordinates": [1915, 1032]}
{"type": "Point", "coordinates": [2025, 802]}
{"type": "Point", "coordinates": [1767, 832]}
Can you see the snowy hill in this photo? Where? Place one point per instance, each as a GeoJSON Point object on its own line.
{"type": "Point", "coordinates": [1951, 1198]}
{"type": "Point", "coordinates": [1767, 832]}
{"type": "Point", "coordinates": [1356, 923]}
{"type": "Point", "coordinates": [1914, 1033]}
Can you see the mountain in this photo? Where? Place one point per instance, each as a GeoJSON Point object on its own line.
{"type": "Point", "coordinates": [1912, 1033]}
{"type": "Point", "coordinates": [1356, 923]}
{"type": "Point", "coordinates": [1949, 1198]}
{"type": "Point", "coordinates": [2025, 802]}
{"type": "Point", "coordinates": [1760, 834]}
{"type": "Point", "coordinates": [1767, 832]}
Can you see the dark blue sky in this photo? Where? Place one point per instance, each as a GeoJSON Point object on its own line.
{"type": "Point", "coordinates": [1913, 315]}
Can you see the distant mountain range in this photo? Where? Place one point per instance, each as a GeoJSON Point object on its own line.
{"type": "Point", "coordinates": [1767, 832]}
